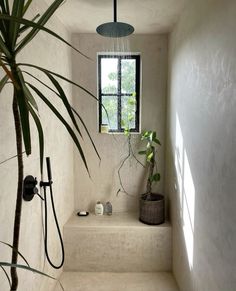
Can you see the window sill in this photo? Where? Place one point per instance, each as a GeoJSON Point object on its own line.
{"type": "Point", "coordinates": [119, 133]}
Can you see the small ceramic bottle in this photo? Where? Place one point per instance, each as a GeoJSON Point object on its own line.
{"type": "Point", "coordinates": [99, 208]}
{"type": "Point", "coordinates": [104, 128]}
{"type": "Point", "coordinates": [108, 208]}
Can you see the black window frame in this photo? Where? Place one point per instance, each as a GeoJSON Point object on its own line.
{"type": "Point", "coordinates": [119, 94]}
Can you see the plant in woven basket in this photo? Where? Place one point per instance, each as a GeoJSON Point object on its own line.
{"type": "Point", "coordinates": [151, 205]}
{"type": "Point", "coordinates": [150, 152]}
{"type": "Point", "coordinates": [16, 32]}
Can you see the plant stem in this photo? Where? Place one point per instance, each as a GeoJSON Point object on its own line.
{"type": "Point", "coordinates": [130, 154]}
{"type": "Point", "coordinates": [16, 231]}
{"type": "Point", "coordinates": [149, 182]}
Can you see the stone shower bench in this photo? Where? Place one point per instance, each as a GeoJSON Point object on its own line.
{"type": "Point", "coordinates": [116, 243]}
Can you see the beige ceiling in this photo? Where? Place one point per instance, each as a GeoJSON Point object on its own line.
{"type": "Point", "coordinates": [147, 16]}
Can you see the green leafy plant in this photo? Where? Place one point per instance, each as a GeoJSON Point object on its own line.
{"type": "Point", "coordinates": [16, 32]}
{"type": "Point", "coordinates": [150, 152]}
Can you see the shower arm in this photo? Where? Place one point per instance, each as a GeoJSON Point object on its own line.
{"type": "Point", "coordinates": [115, 10]}
{"type": "Point", "coordinates": [115, 28]}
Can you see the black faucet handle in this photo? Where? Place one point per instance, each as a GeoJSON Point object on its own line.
{"type": "Point", "coordinates": [49, 169]}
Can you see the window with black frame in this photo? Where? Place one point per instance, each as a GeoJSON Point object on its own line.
{"type": "Point", "coordinates": [119, 92]}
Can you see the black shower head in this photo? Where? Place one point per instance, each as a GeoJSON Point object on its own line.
{"type": "Point", "coordinates": [115, 29]}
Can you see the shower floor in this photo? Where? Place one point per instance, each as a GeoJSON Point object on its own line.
{"type": "Point", "coordinates": [117, 253]}
{"type": "Point", "coordinates": [89, 281]}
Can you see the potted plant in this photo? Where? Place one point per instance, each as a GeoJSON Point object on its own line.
{"type": "Point", "coordinates": [152, 206]}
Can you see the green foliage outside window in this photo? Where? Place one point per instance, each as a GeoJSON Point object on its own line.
{"type": "Point", "coordinates": [126, 93]}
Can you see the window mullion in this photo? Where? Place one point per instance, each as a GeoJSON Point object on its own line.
{"type": "Point", "coordinates": [119, 94]}
{"type": "Point", "coordinates": [100, 92]}
{"type": "Point", "coordinates": [137, 88]}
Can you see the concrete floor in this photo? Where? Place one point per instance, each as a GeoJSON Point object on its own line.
{"type": "Point", "coordinates": [89, 281]}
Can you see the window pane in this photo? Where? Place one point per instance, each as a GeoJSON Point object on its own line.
{"type": "Point", "coordinates": [128, 109]}
{"type": "Point", "coordinates": [128, 68]}
{"type": "Point", "coordinates": [109, 67]}
{"type": "Point", "coordinates": [111, 105]}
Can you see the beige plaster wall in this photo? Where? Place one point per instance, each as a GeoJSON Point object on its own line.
{"type": "Point", "coordinates": [46, 52]}
{"type": "Point", "coordinates": [201, 176]}
{"type": "Point", "coordinates": [104, 182]}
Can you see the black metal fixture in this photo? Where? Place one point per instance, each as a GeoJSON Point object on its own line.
{"type": "Point", "coordinates": [115, 29]}
{"type": "Point", "coordinates": [29, 188]}
{"type": "Point", "coordinates": [44, 185]}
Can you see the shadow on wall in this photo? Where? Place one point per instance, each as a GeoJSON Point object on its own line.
{"type": "Point", "coordinates": [184, 186]}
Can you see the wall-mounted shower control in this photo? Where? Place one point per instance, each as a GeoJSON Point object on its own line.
{"type": "Point", "coordinates": [29, 188]}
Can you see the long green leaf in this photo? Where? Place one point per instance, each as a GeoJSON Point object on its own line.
{"type": "Point", "coordinates": [7, 6]}
{"type": "Point", "coordinates": [8, 278]}
{"type": "Point", "coordinates": [26, 7]}
{"type": "Point", "coordinates": [40, 135]}
{"type": "Point", "coordinates": [17, 11]}
{"type": "Point", "coordinates": [39, 27]}
{"type": "Point", "coordinates": [64, 122]}
{"type": "Point", "coordinates": [42, 21]}
{"type": "Point", "coordinates": [3, 48]}
{"type": "Point", "coordinates": [75, 112]}
{"type": "Point", "coordinates": [8, 159]}
{"type": "Point", "coordinates": [67, 80]}
{"type": "Point", "coordinates": [24, 117]}
{"type": "Point", "coordinates": [60, 77]}
{"type": "Point", "coordinates": [2, 6]}
{"type": "Point", "coordinates": [64, 99]}
{"type": "Point", "coordinates": [3, 82]}
{"type": "Point", "coordinates": [85, 127]}
{"type": "Point", "coordinates": [3, 28]}
{"type": "Point", "coordinates": [24, 27]}
{"type": "Point", "coordinates": [19, 253]}
{"type": "Point", "coordinates": [6, 264]}
{"type": "Point", "coordinates": [27, 92]}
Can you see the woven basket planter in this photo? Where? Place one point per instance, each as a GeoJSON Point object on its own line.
{"type": "Point", "coordinates": [152, 211]}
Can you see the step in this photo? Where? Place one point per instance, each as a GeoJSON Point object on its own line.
{"type": "Point", "coordinates": [75, 281]}
{"type": "Point", "coordinates": [117, 243]}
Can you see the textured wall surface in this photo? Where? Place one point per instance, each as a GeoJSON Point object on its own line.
{"type": "Point", "coordinates": [201, 158]}
{"type": "Point", "coordinates": [147, 17]}
{"type": "Point", "coordinates": [113, 148]}
{"type": "Point", "coordinates": [46, 52]}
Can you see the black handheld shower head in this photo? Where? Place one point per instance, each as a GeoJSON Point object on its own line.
{"type": "Point", "coordinates": [49, 169]}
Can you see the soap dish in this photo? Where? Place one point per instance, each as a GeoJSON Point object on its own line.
{"type": "Point", "coordinates": [83, 213]}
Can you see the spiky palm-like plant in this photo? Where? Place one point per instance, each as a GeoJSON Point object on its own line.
{"type": "Point", "coordinates": [16, 32]}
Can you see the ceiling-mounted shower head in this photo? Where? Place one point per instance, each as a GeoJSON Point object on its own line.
{"type": "Point", "coordinates": [115, 29]}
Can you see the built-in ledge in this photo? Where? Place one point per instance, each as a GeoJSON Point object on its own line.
{"type": "Point", "coordinates": [117, 219]}
{"type": "Point", "coordinates": [116, 243]}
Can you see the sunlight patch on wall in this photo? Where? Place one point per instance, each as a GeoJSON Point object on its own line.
{"type": "Point", "coordinates": [185, 188]}
{"type": "Point", "coordinates": [179, 158]}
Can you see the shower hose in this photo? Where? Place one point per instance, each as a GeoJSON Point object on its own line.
{"type": "Point", "coordinates": [46, 229]}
